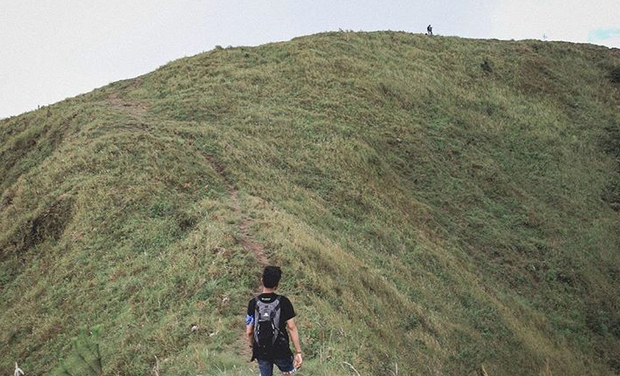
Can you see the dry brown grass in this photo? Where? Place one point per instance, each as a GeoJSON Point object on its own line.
{"type": "Point", "coordinates": [547, 370]}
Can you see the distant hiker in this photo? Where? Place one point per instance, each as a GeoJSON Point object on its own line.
{"type": "Point", "coordinates": [429, 30]}
{"type": "Point", "coordinates": [267, 321]}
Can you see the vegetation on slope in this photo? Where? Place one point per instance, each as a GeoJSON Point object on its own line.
{"type": "Point", "coordinates": [437, 204]}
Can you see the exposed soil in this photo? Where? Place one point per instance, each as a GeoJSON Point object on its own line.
{"type": "Point", "coordinates": [47, 225]}
{"type": "Point", "coordinates": [245, 239]}
{"type": "Point", "coordinates": [133, 108]}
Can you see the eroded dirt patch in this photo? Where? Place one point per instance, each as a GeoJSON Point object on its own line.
{"type": "Point", "coordinates": [50, 224]}
{"type": "Point", "coordinates": [133, 108]}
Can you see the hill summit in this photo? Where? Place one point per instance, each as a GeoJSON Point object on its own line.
{"type": "Point", "coordinates": [438, 205]}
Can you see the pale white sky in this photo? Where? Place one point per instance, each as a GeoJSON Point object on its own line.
{"type": "Point", "coordinates": [54, 49]}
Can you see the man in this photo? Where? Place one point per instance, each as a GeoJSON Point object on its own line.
{"type": "Point", "coordinates": [429, 30]}
{"type": "Point", "coordinates": [269, 318]}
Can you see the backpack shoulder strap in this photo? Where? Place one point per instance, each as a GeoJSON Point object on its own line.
{"type": "Point", "coordinates": [276, 319]}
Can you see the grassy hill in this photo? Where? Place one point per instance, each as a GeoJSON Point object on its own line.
{"type": "Point", "coordinates": [437, 205]}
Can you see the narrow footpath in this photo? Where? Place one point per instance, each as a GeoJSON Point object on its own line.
{"type": "Point", "coordinates": [246, 240]}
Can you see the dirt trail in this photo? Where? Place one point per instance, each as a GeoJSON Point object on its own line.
{"type": "Point", "coordinates": [132, 108]}
{"type": "Point", "coordinates": [138, 110]}
{"type": "Point", "coordinates": [246, 239]}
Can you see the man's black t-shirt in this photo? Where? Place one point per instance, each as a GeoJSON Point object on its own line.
{"type": "Point", "coordinates": [286, 313]}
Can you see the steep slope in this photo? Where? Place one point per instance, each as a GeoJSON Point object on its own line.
{"type": "Point", "coordinates": [438, 204]}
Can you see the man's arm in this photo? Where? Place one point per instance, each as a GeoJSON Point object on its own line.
{"type": "Point", "coordinates": [249, 323]}
{"type": "Point", "coordinates": [292, 331]}
{"type": "Point", "coordinates": [249, 331]}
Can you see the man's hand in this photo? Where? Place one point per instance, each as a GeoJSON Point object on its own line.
{"type": "Point", "coordinates": [292, 331]}
{"type": "Point", "coordinates": [249, 333]}
{"type": "Point", "coordinates": [298, 361]}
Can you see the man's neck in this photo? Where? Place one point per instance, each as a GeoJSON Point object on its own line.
{"type": "Point", "coordinates": [267, 290]}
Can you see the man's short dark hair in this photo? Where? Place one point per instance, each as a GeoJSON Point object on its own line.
{"type": "Point", "coordinates": [271, 276]}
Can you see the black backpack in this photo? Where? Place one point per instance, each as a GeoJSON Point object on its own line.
{"type": "Point", "coordinates": [266, 325]}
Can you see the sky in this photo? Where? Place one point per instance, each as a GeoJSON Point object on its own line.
{"type": "Point", "coordinates": [54, 49]}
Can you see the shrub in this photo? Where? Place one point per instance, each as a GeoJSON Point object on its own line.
{"type": "Point", "coordinates": [614, 75]}
{"type": "Point", "coordinates": [486, 66]}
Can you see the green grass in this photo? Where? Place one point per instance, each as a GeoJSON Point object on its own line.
{"type": "Point", "coordinates": [430, 211]}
